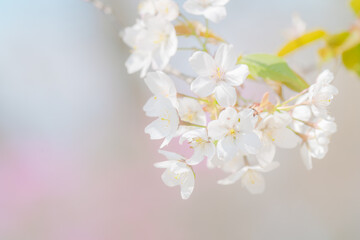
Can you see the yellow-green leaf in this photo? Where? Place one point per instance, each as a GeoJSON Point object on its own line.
{"type": "Point", "coordinates": [301, 41]}
{"type": "Point", "coordinates": [333, 45]}
{"type": "Point", "coordinates": [351, 59]}
{"type": "Point", "coordinates": [274, 68]}
{"type": "Point", "coordinates": [338, 43]}
{"type": "Point", "coordinates": [355, 5]}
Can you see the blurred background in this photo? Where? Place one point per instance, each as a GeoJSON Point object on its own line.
{"type": "Point", "coordinates": [75, 163]}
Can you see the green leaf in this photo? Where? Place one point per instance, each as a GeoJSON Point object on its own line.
{"type": "Point", "coordinates": [336, 40]}
{"type": "Point", "coordinates": [355, 5]}
{"type": "Point", "coordinates": [301, 41]}
{"type": "Point", "coordinates": [351, 59]}
{"type": "Point", "coordinates": [274, 68]}
{"type": "Point", "coordinates": [334, 45]}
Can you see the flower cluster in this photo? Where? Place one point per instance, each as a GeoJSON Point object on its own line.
{"type": "Point", "coordinates": [153, 38]}
{"type": "Point", "coordinates": [230, 132]}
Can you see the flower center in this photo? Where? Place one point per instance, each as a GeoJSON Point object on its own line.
{"type": "Point", "coordinates": [218, 75]}
{"type": "Point", "coordinates": [232, 132]}
{"type": "Point", "coordinates": [161, 38]}
{"type": "Point", "coordinates": [251, 175]}
{"type": "Point", "coordinates": [190, 117]}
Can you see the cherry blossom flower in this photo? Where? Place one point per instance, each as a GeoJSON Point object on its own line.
{"type": "Point", "coordinates": [177, 173]}
{"type": "Point", "coordinates": [140, 58]}
{"type": "Point", "coordinates": [166, 125]}
{"type": "Point", "coordinates": [162, 39]}
{"type": "Point", "coordinates": [166, 9]}
{"type": "Point", "coordinates": [274, 131]}
{"type": "Point", "coordinates": [214, 10]}
{"type": "Point", "coordinates": [192, 112]}
{"type": "Point", "coordinates": [317, 140]}
{"type": "Point", "coordinates": [218, 75]}
{"type": "Point", "coordinates": [234, 131]}
{"type": "Point", "coordinates": [153, 42]}
{"type": "Point", "coordinates": [200, 142]}
{"type": "Point", "coordinates": [161, 86]}
{"type": "Point", "coordinates": [321, 93]}
{"type": "Point", "coordinates": [251, 177]}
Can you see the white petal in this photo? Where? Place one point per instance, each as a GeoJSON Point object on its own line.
{"type": "Point", "coordinates": [209, 150]}
{"type": "Point", "coordinates": [171, 44]}
{"type": "Point", "coordinates": [266, 153]}
{"type": "Point", "coordinates": [167, 9]}
{"type": "Point", "coordinates": [302, 113]}
{"type": "Point", "coordinates": [203, 86]}
{"type": "Point", "coordinates": [187, 185]}
{"type": "Point", "coordinates": [229, 116]}
{"type": "Point", "coordinates": [157, 129]}
{"type": "Point", "coordinates": [206, 149]}
{"type": "Point", "coordinates": [215, 13]}
{"type": "Point", "coordinates": [249, 143]}
{"type": "Point", "coordinates": [166, 141]}
{"type": "Point", "coordinates": [202, 63]}
{"type": "Point", "coordinates": [237, 76]}
{"type": "Point", "coordinates": [227, 148]}
{"type": "Point", "coordinates": [197, 157]}
{"type": "Point", "coordinates": [225, 94]}
{"type": "Point", "coordinates": [196, 133]}
{"type": "Point", "coordinates": [169, 179]}
{"type": "Point", "coordinates": [160, 84]}
{"type": "Point", "coordinates": [190, 110]}
{"type": "Point", "coordinates": [138, 61]}
{"type": "Point", "coordinates": [225, 57]}
{"type": "Point", "coordinates": [217, 130]}
{"type": "Point", "coordinates": [233, 177]}
{"type": "Point", "coordinates": [325, 77]}
{"type": "Point", "coordinates": [155, 106]}
{"type": "Point", "coordinates": [247, 120]}
{"type": "Point", "coordinates": [285, 138]}
{"type": "Point", "coordinates": [171, 155]}
{"type": "Point", "coordinates": [193, 7]}
{"type": "Point", "coordinates": [220, 2]}
{"type": "Point", "coordinates": [254, 182]}
{"type": "Point", "coordinates": [266, 168]}
{"type": "Point", "coordinates": [164, 164]}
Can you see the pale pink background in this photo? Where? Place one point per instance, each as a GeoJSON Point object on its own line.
{"type": "Point", "coordinates": [75, 163]}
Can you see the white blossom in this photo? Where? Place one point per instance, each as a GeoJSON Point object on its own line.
{"type": "Point", "coordinates": [177, 173]}
{"type": "Point", "coordinates": [234, 131]}
{"type": "Point", "coordinates": [251, 177]}
{"type": "Point", "coordinates": [192, 112]}
{"type": "Point", "coordinates": [140, 58]}
{"type": "Point", "coordinates": [166, 9]}
{"type": "Point", "coordinates": [214, 10]}
{"type": "Point", "coordinates": [166, 125]}
{"type": "Point", "coordinates": [218, 75]}
{"type": "Point", "coordinates": [202, 145]}
{"type": "Point", "coordinates": [161, 86]}
{"type": "Point", "coordinates": [163, 41]}
{"type": "Point", "coordinates": [274, 131]}
{"type": "Point", "coordinates": [317, 140]}
{"type": "Point", "coordinates": [153, 42]}
{"type": "Point", "coordinates": [321, 93]}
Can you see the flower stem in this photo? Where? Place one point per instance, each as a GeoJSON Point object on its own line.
{"type": "Point", "coordinates": [191, 124]}
{"type": "Point", "coordinates": [294, 97]}
{"type": "Point", "coordinates": [187, 96]}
